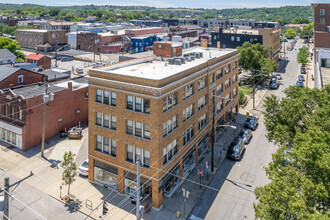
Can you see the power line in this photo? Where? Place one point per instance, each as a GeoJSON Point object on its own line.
{"type": "Point", "coordinates": [4, 215]}
{"type": "Point", "coordinates": [24, 204]}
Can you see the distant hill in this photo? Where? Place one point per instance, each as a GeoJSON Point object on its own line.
{"type": "Point", "coordinates": [285, 14]}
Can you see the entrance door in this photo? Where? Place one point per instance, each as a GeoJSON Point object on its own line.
{"type": "Point", "coordinates": [323, 62]}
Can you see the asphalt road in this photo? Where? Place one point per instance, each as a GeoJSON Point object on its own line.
{"type": "Point", "coordinates": [29, 203]}
{"type": "Point", "coordinates": [237, 180]}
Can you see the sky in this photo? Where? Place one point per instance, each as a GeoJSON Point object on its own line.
{"type": "Point", "coordinates": [218, 4]}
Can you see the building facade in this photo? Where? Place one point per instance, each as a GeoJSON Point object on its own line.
{"type": "Point", "coordinates": [160, 111]}
{"type": "Point", "coordinates": [41, 60]}
{"type": "Point", "coordinates": [322, 34]}
{"type": "Point", "coordinates": [22, 111]}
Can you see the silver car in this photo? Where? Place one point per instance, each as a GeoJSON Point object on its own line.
{"type": "Point", "coordinates": [246, 135]}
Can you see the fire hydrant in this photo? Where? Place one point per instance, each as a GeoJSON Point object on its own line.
{"type": "Point", "coordinates": [178, 214]}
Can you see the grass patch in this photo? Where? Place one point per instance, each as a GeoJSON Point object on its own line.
{"type": "Point", "coordinates": [246, 90]}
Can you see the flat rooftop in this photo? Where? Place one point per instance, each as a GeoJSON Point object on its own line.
{"type": "Point", "coordinates": [154, 68]}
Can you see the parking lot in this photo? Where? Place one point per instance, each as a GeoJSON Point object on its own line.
{"type": "Point", "coordinates": [72, 65]}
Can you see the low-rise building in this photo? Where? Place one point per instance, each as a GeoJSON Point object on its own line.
{"type": "Point", "coordinates": [6, 56]}
{"type": "Point", "coordinates": [40, 59]}
{"type": "Point", "coordinates": [93, 41]}
{"type": "Point", "coordinates": [160, 110]}
{"type": "Point", "coordinates": [236, 37]}
{"type": "Point", "coordinates": [143, 31]}
{"type": "Point", "coordinates": [140, 43]}
{"type": "Point", "coordinates": [22, 111]}
{"type": "Point", "coordinates": [44, 40]}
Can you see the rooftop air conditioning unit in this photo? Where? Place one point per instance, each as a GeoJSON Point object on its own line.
{"type": "Point", "coordinates": [197, 55]}
{"type": "Point", "coordinates": [183, 60]}
{"type": "Point", "coordinates": [189, 59]}
{"type": "Point", "coordinates": [177, 62]}
{"type": "Point", "coordinates": [192, 58]}
{"type": "Point", "coordinates": [171, 61]}
{"type": "Point", "coordinates": [200, 54]}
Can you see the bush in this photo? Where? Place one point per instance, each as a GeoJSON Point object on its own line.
{"type": "Point", "coordinates": [241, 97]}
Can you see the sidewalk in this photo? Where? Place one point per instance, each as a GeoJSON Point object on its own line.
{"type": "Point", "coordinates": [191, 183]}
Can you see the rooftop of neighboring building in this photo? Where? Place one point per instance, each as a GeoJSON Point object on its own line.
{"type": "Point", "coordinates": [33, 30]}
{"type": "Point", "coordinates": [34, 56]}
{"type": "Point", "coordinates": [148, 28]}
{"type": "Point", "coordinates": [53, 74]}
{"type": "Point", "coordinates": [154, 68]}
{"type": "Point", "coordinates": [7, 70]}
{"type": "Point", "coordinates": [5, 53]}
{"type": "Point", "coordinates": [189, 39]}
{"type": "Point", "coordinates": [29, 91]}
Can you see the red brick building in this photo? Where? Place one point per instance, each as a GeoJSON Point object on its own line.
{"type": "Point", "coordinates": [40, 59]}
{"type": "Point", "coordinates": [11, 76]}
{"type": "Point", "coordinates": [322, 34]}
{"type": "Point", "coordinates": [22, 111]}
{"type": "Point", "coordinates": [94, 41]}
{"type": "Point", "coordinates": [143, 31]}
{"type": "Point", "coordinates": [167, 49]}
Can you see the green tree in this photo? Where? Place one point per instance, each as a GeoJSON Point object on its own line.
{"type": "Point", "coordinates": [300, 21]}
{"type": "Point", "coordinates": [307, 31]}
{"type": "Point", "coordinates": [54, 11]}
{"type": "Point", "coordinates": [69, 169]}
{"type": "Point", "coordinates": [290, 33]}
{"type": "Point", "coordinates": [255, 59]}
{"type": "Point", "coordinates": [154, 15]}
{"type": "Point", "coordinates": [303, 55]}
{"type": "Point", "coordinates": [299, 172]}
{"type": "Point", "coordinates": [12, 46]}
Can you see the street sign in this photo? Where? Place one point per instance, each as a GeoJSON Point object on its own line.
{"type": "Point", "coordinates": [200, 172]}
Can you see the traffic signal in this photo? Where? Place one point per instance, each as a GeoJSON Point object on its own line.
{"type": "Point", "coordinates": [105, 209]}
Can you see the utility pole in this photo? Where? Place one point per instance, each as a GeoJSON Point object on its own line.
{"type": "Point", "coordinates": [213, 133]}
{"type": "Point", "coordinates": [6, 201]}
{"type": "Point", "coordinates": [45, 97]}
{"type": "Point", "coordinates": [138, 187]}
{"type": "Point", "coordinates": [253, 90]}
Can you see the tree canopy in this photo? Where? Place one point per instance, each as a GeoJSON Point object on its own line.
{"type": "Point", "coordinates": [255, 59]}
{"type": "Point", "coordinates": [307, 31]}
{"type": "Point", "coordinates": [12, 46]}
{"type": "Point", "coordinates": [299, 172]}
{"type": "Point", "coordinates": [290, 33]}
{"type": "Point", "coordinates": [303, 55]}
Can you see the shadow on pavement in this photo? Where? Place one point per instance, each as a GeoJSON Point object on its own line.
{"type": "Point", "coordinates": [283, 67]}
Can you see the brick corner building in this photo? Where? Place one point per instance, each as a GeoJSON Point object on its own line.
{"type": "Point", "coordinates": [160, 109]}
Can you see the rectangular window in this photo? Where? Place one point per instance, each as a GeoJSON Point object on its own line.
{"type": "Point", "coordinates": [188, 91]}
{"type": "Point", "coordinates": [322, 12]}
{"type": "Point", "coordinates": [188, 135]}
{"type": "Point", "coordinates": [227, 69]}
{"type": "Point", "coordinates": [106, 121]}
{"type": "Point", "coordinates": [106, 145]}
{"type": "Point", "coordinates": [12, 112]}
{"type": "Point", "coordinates": [232, 38]}
{"type": "Point", "coordinates": [201, 102]}
{"type": "Point", "coordinates": [234, 65]}
{"type": "Point", "coordinates": [219, 89]}
{"type": "Point", "coordinates": [99, 95]}
{"type": "Point", "coordinates": [227, 98]}
{"type": "Point", "coordinates": [169, 125]}
{"type": "Point", "coordinates": [113, 99]}
{"type": "Point", "coordinates": [238, 39]}
{"type": "Point", "coordinates": [234, 78]}
{"type": "Point", "coordinates": [202, 122]}
{"type": "Point", "coordinates": [98, 120]}
{"type": "Point", "coordinates": [138, 129]}
{"type": "Point", "coordinates": [113, 122]}
{"type": "Point", "coordinates": [20, 114]}
{"type": "Point", "coordinates": [138, 104]}
{"type": "Point", "coordinates": [227, 83]}
{"type": "Point", "coordinates": [169, 102]}
{"type": "Point", "coordinates": [201, 83]}
{"type": "Point", "coordinates": [219, 106]}
{"type": "Point", "coordinates": [20, 79]}
{"type": "Point", "coordinates": [219, 73]}
{"type": "Point", "coordinates": [188, 112]}
{"type": "Point", "coordinates": [133, 152]}
{"type": "Point", "coordinates": [322, 20]}
{"type": "Point", "coordinates": [212, 78]}
{"type": "Point", "coordinates": [170, 151]}
{"type": "Point", "coordinates": [106, 97]}
{"type": "Point", "coordinates": [234, 92]}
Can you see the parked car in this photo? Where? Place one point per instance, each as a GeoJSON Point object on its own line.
{"type": "Point", "coordinates": [98, 64]}
{"type": "Point", "coordinates": [303, 70]}
{"type": "Point", "coordinates": [278, 76]}
{"type": "Point", "coordinates": [251, 122]}
{"type": "Point", "coordinates": [273, 83]}
{"type": "Point", "coordinates": [83, 168]}
{"type": "Point", "coordinates": [236, 149]}
{"type": "Point", "coordinates": [246, 135]}
{"type": "Point", "coordinates": [301, 78]}
{"type": "Point", "coordinates": [66, 59]}
{"type": "Point", "coordinates": [300, 83]}
{"type": "Point", "coordinates": [80, 70]}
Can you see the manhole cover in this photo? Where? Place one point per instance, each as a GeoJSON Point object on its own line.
{"type": "Point", "coordinates": [249, 177]}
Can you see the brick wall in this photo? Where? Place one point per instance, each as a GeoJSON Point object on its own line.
{"type": "Point", "coordinates": [45, 62]}
{"type": "Point", "coordinates": [318, 26]}
{"type": "Point", "coordinates": [60, 114]}
{"type": "Point", "coordinates": [30, 39]}
{"type": "Point", "coordinates": [322, 39]}
{"type": "Point", "coordinates": [57, 37]}
{"type": "Point", "coordinates": [137, 32]}
{"type": "Point", "coordinates": [28, 78]}
{"type": "Point", "coordinates": [166, 49]}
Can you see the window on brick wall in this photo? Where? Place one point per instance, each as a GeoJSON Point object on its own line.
{"type": "Point", "coordinates": [170, 125]}
{"type": "Point", "coordinates": [218, 73]}
{"type": "Point", "coordinates": [188, 91]}
{"type": "Point", "coordinates": [188, 112]}
{"type": "Point", "coordinates": [138, 129]}
{"type": "Point", "coordinates": [170, 151]}
{"type": "Point", "coordinates": [138, 104]}
{"type": "Point", "coordinates": [322, 20]}
{"type": "Point", "coordinates": [322, 12]}
{"type": "Point", "coordinates": [133, 152]}
{"type": "Point", "coordinates": [106, 145]}
{"type": "Point", "coordinates": [202, 122]}
{"type": "Point", "coordinates": [201, 102]}
{"type": "Point", "coordinates": [105, 97]}
{"type": "Point", "coordinates": [219, 89]}
{"type": "Point", "coordinates": [227, 69]}
{"type": "Point", "coordinates": [170, 101]}
{"type": "Point", "coordinates": [20, 79]}
{"type": "Point", "coordinates": [201, 83]}
{"type": "Point", "coordinates": [105, 120]}
{"type": "Point", "coordinates": [188, 135]}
